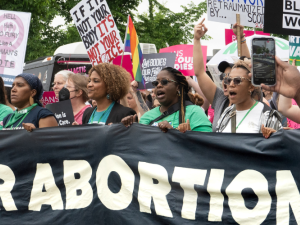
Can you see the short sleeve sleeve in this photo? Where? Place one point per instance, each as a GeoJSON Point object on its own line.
{"type": "Point", "coordinates": [43, 113]}
{"type": "Point", "coordinates": [199, 121]}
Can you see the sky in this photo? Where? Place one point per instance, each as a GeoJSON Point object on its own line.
{"type": "Point", "coordinates": [215, 30]}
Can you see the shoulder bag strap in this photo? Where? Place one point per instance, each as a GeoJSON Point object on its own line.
{"type": "Point", "coordinates": [233, 120]}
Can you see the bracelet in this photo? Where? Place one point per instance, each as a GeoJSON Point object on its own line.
{"type": "Point", "coordinates": [244, 41]}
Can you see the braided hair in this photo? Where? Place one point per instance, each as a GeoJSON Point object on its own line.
{"type": "Point", "coordinates": [184, 90]}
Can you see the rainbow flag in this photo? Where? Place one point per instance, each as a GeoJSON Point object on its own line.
{"type": "Point", "coordinates": [132, 45]}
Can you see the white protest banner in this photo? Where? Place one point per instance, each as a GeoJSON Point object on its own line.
{"type": "Point", "coordinates": [98, 30]}
{"type": "Point", "coordinates": [251, 12]}
{"type": "Point", "coordinates": [14, 27]}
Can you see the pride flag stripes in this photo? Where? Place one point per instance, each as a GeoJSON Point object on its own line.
{"type": "Point", "coordinates": [132, 45]}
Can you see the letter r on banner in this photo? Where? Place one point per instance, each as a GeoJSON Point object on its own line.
{"type": "Point", "coordinates": [7, 175]}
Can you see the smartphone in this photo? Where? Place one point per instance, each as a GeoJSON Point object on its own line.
{"type": "Point", "coordinates": [263, 61]}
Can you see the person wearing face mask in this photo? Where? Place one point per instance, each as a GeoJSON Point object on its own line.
{"type": "Point", "coordinates": [246, 115]}
{"type": "Point", "coordinates": [26, 93]}
{"type": "Point", "coordinates": [175, 110]}
{"type": "Point", "coordinates": [60, 80]}
{"type": "Point", "coordinates": [107, 84]}
{"type": "Point", "coordinates": [77, 86]}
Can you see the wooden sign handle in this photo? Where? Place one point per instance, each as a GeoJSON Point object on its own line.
{"type": "Point", "coordinates": [239, 45]}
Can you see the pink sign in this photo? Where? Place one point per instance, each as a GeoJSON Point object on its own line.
{"type": "Point", "coordinates": [49, 98]}
{"type": "Point", "coordinates": [230, 36]}
{"type": "Point", "coordinates": [184, 58]}
{"type": "Point", "coordinates": [291, 123]}
{"type": "Point", "coordinates": [127, 64]}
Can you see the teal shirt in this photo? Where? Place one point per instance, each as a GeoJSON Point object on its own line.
{"type": "Point", "coordinates": [4, 111]}
{"type": "Point", "coordinates": [101, 115]}
{"type": "Point", "coordinates": [196, 115]}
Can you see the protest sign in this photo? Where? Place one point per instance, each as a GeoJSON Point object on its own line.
{"type": "Point", "coordinates": [251, 12]}
{"type": "Point", "coordinates": [69, 176]}
{"type": "Point", "coordinates": [153, 64]}
{"type": "Point", "coordinates": [282, 17]}
{"type": "Point", "coordinates": [49, 98]}
{"type": "Point", "coordinates": [230, 36]}
{"type": "Point", "coordinates": [291, 123]}
{"type": "Point", "coordinates": [294, 49]}
{"type": "Point", "coordinates": [14, 27]}
{"type": "Point", "coordinates": [63, 112]}
{"type": "Point", "coordinates": [127, 64]}
{"type": "Point", "coordinates": [98, 30]}
{"type": "Point", "coordinates": [184, 58]}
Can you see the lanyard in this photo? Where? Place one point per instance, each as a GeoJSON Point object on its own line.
{"type": "Point", "coordinates": [92, 121]}
{"type": "Point", "coordinates": [247, 114]}
{"type": "Point", "coordinates": [11, 119]}
{"type": "Point", "coordinates": [20, 120]}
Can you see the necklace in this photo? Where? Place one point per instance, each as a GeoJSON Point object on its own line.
{"type": "Point", "coordinates": [247, 114]}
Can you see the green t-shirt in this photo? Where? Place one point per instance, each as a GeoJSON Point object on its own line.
{"type": "Point", "coordinates": [4, 111]}
{"type": "Point", "coordinates": [196, 115]}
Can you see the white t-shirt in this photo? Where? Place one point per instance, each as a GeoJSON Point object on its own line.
{"type": "Point", "coordinates": [251, 123]}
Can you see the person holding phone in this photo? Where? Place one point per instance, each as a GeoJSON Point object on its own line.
{"type": "Point", "coordinates": [246, 115]}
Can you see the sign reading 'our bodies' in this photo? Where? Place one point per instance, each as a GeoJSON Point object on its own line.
{"type": "Point", "coordinates": [14, 27]}
{"type": "Point", "coordinates": [98, 30]}
{"type": "Point", "coordinates": [224, 11]}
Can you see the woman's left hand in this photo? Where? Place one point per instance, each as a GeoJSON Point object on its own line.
{"type": "Point", "coordinates": [184, 127]}
{"type": "Point", "coordinates": [29, 126]}
{"type": "Point", "coordinates": [266, 131]}
{"type": "Point", "coordinates": [165, 126]}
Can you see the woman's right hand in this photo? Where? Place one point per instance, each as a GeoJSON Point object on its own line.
{"type": "Point", "coordinates": [129, 120]}
{"type": "Point", "coordinates": [165, 126]}
{"type": "Point", "coordinates": [200, 30]}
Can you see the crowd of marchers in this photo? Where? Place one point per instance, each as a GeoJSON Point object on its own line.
{"type": "Point", "coordinates": [107, 96]}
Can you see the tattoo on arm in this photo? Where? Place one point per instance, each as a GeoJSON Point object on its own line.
{"type": "Point", "coordinates": [141, 102]}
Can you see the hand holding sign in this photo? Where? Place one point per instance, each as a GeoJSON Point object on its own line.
{"type": "Point", "coordinates": [200, 30]}
{"type": "Point", "coordinates": [235, 29]}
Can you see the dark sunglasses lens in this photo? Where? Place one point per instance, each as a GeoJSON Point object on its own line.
{"type": "Point", "coordinates": [155, 83]}
{"type": "Point", "coordinates": [222, 76]}
{"type": "Point", "coordinates": [164, 82]}
{"type": "Point", "coordinates": [237, 81]}
{"type": "Point", "coordinates": [226, 80]}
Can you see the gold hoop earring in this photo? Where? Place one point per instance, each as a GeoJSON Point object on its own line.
{"type": "Point", "coordinates": [31, 100]}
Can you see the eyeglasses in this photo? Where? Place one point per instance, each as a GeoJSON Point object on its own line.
{"type": "Point", "coordinates": [163, 82]}
{"type": "Point", "coordinates": [223, 75]}
{"type": "Point", "coordinates": [236, 80]}
{"type": "Point", "coordinates": [57, 83]}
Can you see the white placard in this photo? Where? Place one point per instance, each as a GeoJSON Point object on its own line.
{"type": "Point", "coordinates": [251, 11]}
{"type": "Point", "coordinates": [98, 30]}
{"type": "Point", "coordinates": [14, 28]}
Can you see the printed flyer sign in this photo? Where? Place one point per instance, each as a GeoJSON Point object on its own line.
{"type": "Point", "coordinates": [98, 30]}
{"type": "Point", "coordinates": [184, 58]}
{"type": "Point", "coordinates": [14, 27]}
{"type": "Point", "coordinates": [127, 64]}
{"type": "Point", "coordinates": [49, 98]}
{"type": "Point", "coordinates": [251, 12]}
{"type": "Point", "coordinates": [230, 36]}
{"type": "Point", "coordinates": [294, 49]}
{"type": "Point", "coordinates": [63, 112]}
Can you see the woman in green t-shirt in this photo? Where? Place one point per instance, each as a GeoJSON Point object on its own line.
{"type": "Point", "coordinates": [4, 109]}
{"type": "Point", "coordinates": [176, 110]}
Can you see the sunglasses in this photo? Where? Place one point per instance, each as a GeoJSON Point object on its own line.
{"type": "Point", "coordinates": [163, 82]}
{"type": "Point", "coordinates": [223, 75]}
{"type": "Point", "coordinates": [236, 80]}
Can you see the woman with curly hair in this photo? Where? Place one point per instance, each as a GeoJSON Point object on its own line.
{"type": "Point", "coordinates": [108, 83]}
{"type": "Point", "coordinates": [176, 110]}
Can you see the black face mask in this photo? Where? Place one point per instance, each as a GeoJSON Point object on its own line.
{"type": "Point", "coordinates": [63, 94]}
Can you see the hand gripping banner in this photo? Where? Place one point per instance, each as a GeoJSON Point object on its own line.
{"type": "Point", "coordinates": [139, 175]}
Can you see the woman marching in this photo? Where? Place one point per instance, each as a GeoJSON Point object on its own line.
{"type": "Point", "coordinates": [108, 84]}
{"type": "Point", "coordinates": [176, 110]}
{"type": "Point", "coordinates": [26, 92]}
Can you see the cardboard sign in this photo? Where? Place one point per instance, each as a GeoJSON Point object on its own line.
{"type": "Point", "coordinates": [127, 64]}
{"type": "Point", "coordinates": [153, 64]}
{"type": "Point", "coordinates": [294, 49]}
{"type": "Point", "coordinates": [63, 112]}
{"type": "Point", "coordinates": [184, 58]}
{"type": "Point", "coordinates": [14, 27]}
{"type": "Point", "coordinates": [230, 36]}
{"type": "Point", "coordinates": [49, 98]}
{"type": "Point", "coordinates": [282, 17]}
{"type": "Point", "coordinates": [98, 30]}
{"type": "Point", "coordinates": [251, 12]}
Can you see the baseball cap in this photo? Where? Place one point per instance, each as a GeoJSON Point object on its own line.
{"type": "Point", "coordinates": [224, 65]}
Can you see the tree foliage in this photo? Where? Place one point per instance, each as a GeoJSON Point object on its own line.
{"type": "Point", "coordinates": [43, 39]}
{"type": "Point", "coordinates": [163, 27]}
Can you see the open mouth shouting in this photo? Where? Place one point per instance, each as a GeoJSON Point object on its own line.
{"type": "Point", "coordinates": [160, 94]}
{"type": "Point", "coordinates": [232, 94]}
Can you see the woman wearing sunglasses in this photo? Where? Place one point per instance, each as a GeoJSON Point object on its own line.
{"type": "Point", "coordinates": [246, 115]}
{"type": "Point", "coordinates": [175, 111]}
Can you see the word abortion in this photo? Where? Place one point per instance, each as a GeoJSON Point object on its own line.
{"type": "Point", "coordinates": [291, 14]}
{"type": "Point", "coordinates": [45, 191]}
{"type": "Point", "coordinates": [98, 30]}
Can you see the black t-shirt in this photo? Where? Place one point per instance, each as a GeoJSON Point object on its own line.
{"type": "Point", "coordinates": [33, 117]}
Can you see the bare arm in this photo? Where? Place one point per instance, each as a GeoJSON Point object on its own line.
{"type": "Point", "coordinates": [288, 110]}
{"type": "Point", "coordinates": [141, 104]}
{"type": "Point", "coordinates": [49, 121]}
{"type": "Point", "coordinates": [207, 86]}
{"type": "Point", "coordinates": [245, 49]}
{"type": "Point", "coordinates": [197, 89]}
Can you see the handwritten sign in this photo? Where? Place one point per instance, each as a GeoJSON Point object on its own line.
{"type": "Point", "coordinates": [14, 27]}
{"type": "Point", "coordinates": [98, 30]}
{"type": "Point", "coordinates": [251, 12]}
{"type": "Point", "coordinates": [153, 64]}
{"type": "Point", "coordinates": [184, 58]}
{"type": "Point", "coordinates": [63, 112]}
